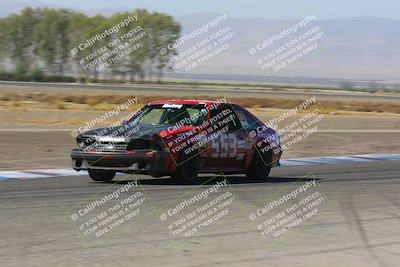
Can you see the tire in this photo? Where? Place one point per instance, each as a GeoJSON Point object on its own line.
{"type": "Point", "coordinates": [260, 165]}
{"type": "Point", "coordinates": [187, 167]}
{"type": "Point", "coordinates": [101, 176]}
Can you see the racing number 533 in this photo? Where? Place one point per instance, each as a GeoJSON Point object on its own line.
{"type": "Point", "coordinates": [228, 146]}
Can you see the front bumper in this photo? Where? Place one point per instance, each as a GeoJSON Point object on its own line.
{"type": "Point", "coordinates": [155, 163]}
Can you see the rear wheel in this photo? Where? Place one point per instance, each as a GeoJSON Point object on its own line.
{"type": "Point", "coordinates": [101, 176]}
{"type": "Point", "coordinates": [187, 167]}
{"type": "Point", "coordinates": [260, 165]}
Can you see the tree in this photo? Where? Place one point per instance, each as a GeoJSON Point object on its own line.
{"type": "Point", "coordinates": [45, 38]}
{"type": "Point", "coordinates": [3, 42]}
{"type": "Point", "coordinates": [164, 31]}
{"type": "Point", "coordinates": [52, 37]}
{"type": "Point", "coordinates": [20, 36]}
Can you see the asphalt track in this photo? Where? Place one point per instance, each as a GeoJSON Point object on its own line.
{"type": "Point", "coordinates": [359, 225]}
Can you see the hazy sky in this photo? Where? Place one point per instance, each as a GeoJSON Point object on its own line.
{"type": "Point", "coordinates": [245, 8]}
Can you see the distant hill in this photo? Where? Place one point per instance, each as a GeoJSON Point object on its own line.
{"type": "Point", "coordinates": [363, 47]}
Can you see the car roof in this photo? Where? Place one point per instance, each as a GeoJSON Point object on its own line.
{"type": "Point", "coordinates": [183, 102]}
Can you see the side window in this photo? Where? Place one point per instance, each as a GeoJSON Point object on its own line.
{"type": "Point", "coordinates": [246, 118]}
{"type": "Point", "coordinates": [242, 118]}
{"type": "Point", "coordinates": [225, 116]}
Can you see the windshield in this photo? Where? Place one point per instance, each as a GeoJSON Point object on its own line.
{"type": "Point", "coordinates": [171, 114]}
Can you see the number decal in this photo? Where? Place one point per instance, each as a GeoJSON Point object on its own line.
{"type": "Point", "coordinates": [215, 148]}
{"type": "Point", "coordinates": [228, 146]}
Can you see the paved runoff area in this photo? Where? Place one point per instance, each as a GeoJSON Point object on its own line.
{"type": "Point", "coordinates": [336, 214]}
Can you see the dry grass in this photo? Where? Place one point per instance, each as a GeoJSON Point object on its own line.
{"type": "Point", "coordinates": [59, 104]}
{"type": "Point", "coordinates": [107, 102]}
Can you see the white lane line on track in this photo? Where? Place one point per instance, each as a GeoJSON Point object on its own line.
{"type": "Point", "coordinates": [47, 173]}
{"type": "Point", "coordinates": [338, 159]}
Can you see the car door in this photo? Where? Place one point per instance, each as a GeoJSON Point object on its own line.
{"type": "Point", "coordinates": [250, 124]}
{"type": "Point", "coordinates": [228, 140]}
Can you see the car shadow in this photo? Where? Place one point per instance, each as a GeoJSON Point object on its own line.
{"type": "Point", "coordinates": [212, 179]}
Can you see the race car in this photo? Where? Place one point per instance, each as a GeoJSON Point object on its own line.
{"type": "Point", "coordinates": [180, 138]}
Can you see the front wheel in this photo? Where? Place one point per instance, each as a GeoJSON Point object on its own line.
{"type": "Point", "coordinates": [187, 167]}
{"type": "Point", "coordinates": [101, 176]}
{"type": "Point", "coordinates": [260, 165]}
